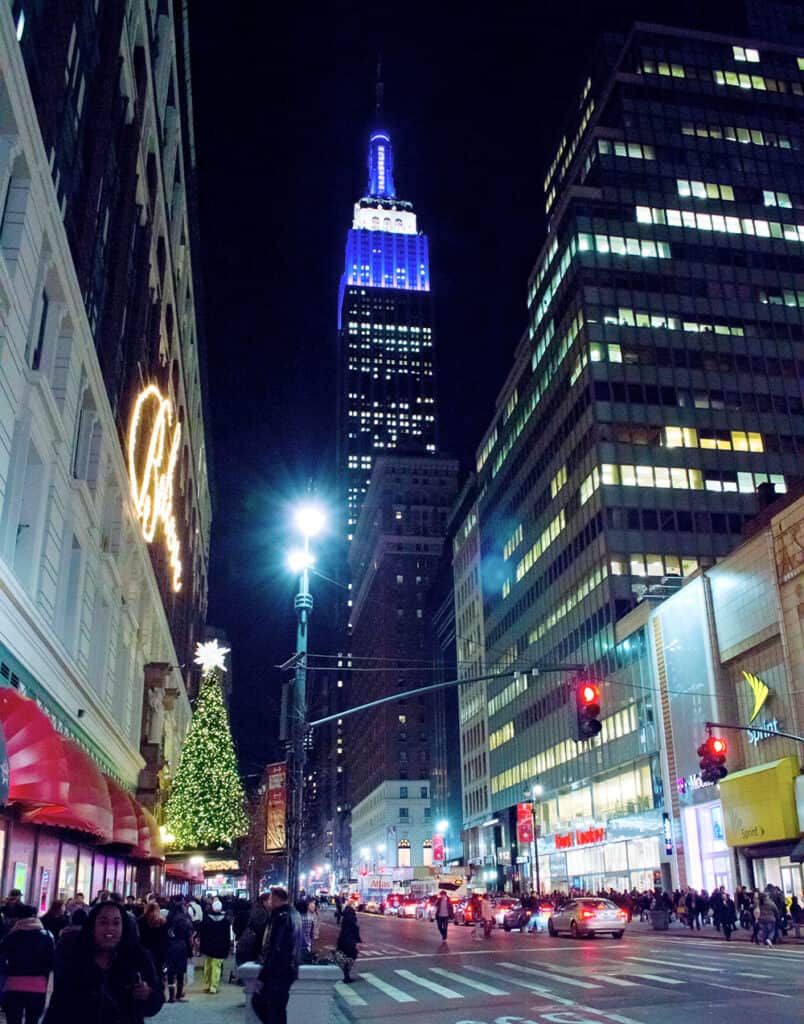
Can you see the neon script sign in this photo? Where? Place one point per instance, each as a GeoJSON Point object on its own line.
{"type": "Point", "coordinates": [152, 462]}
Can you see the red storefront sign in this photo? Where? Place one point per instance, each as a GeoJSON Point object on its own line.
{"type": "Point", "coordinates": [438, 847]}
{"type": "Point", "coordinates": [276, 792]}
{"type": "Point", "coordinates": [581, 837]}
{"type": "Point", "coordinates": [524, 825]}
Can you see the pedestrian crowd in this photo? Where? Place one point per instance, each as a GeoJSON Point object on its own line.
{"type": "Point", "coordinates": [118, 960]}
{"type": "Point", "coordinates": [768, 914]}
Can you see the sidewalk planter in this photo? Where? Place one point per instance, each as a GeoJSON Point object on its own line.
{"type": "Point", "coordinates": [659, 920]}
{"type": "Point", "coordinates": [311, 996]}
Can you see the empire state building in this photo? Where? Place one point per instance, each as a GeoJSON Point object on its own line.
{"type": "Point", "coordinates": [385, 332]}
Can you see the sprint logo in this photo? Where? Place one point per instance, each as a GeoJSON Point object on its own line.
{"type": "Point", "coordinates": [760, 691]}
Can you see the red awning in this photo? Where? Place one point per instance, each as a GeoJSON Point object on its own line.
{"type": "Point", "coordinates": [142, 851]}
{"type": "Point", "coordinates": [157, 849]}
{"type": "Point", "coordinates": [37, 767]}
{"type": "Point", "coordinates": [89, 807]}
{"type": "Point", "coordinates": [125, 826]}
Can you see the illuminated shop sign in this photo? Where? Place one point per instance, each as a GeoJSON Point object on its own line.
{"type": "Point", "coordinates": [667, 829]}
{"type": "Point", "coordinates": [580, 837]}
{"type": "Point", "coordinates": [761, 692]}
{"type": "Point", "coordinates": [153, 451]}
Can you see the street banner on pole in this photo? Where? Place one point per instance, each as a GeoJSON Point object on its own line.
{"type": "Point", "coordinates": [524, 825]}
{"type": "Point", "coordinates": [438, 848]}
{"type": "Point", "coordinates": [276, 797]}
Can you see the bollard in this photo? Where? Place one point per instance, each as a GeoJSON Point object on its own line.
{"type": "Point", "coordinates": [310, 997]}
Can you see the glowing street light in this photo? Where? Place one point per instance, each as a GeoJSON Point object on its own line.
{"type": "Point", "coordinates": [299, 560]}
{"type": "Point", "coordinates": [442, 827]}
{"type": "Point", "coordinates": [309, 520]}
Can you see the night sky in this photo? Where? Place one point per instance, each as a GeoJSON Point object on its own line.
{"type": "Point", "coordinates": [476, 98]}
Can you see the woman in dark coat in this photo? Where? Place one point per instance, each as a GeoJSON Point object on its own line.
{"type": "Point", "coordinates": [55, 919]}
{"type": "Point", "coordinates": [105, 977]}
{"type": "Point", "coordinates": [28, 953]}
{"type": "Point", "coordinates": [348, 940]}
{"type": "Point", "coordinates": [153, 936]}
{"type": "Point", "coordinates": [179, 948]}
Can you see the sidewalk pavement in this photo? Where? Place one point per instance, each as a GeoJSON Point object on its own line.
{"type": "Point", "coordinates": [708, 931]}
{"type": "Point", "coordinates": [227, 1007]}
{"type": "Point", "coordinates": [201, 1008]}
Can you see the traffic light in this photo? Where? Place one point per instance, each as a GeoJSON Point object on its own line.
{"type": "Point", "coordinates": [587, 705]}
{"type": "Point", "coordinates": [713, 759]}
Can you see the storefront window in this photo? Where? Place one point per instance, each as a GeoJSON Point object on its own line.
{"type": "Point", "coordinates": [616, 857]}
{"type": "Point", "coordinates": [585, 862]}
{"type": "Point", "coordinates": [98, 874]}
{"type": "Point", "coordinates": [643, 853]}
{"type": "Point", "coordinates": [84, 873]}
{"type": "Point", "coordinates": [67, 872]}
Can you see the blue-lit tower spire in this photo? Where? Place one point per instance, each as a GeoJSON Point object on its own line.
{"type": "Point", "coordinates": [385, 328]}
{"type": "Point", "coordinates": [381, 166]}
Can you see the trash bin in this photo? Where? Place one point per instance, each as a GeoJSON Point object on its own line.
{"type": "Point", "coordinates": [660, 920]}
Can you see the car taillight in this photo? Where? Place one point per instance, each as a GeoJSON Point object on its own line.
{"type": "Point", "coordinates": [586, 914]}
{"type": "Point", "coordinates": [622, 914]}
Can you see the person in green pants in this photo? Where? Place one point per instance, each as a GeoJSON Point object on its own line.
{"type": "Point", "coordinates": [216, 941]}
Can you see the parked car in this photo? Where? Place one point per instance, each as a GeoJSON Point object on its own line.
{"type": "Point", "coordinates": [390, 904]}
{"type": "Point", "coordinates": [464, 914]}
{"type": "Point", "coordinates": [372, 905]}
{"type": "Point", "coordinates": [518, 916]}
{"type": "Point", "coordinates": [425, 908]}
{"type": "Point", "coordinates": [588, 916]}
{"type": "Point", "coordinates": [501, 907]}
{"type": "Point", "coordinates": [407, 906]}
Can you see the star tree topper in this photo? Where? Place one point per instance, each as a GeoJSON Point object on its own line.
{"type": "Point", "coordinates": [211, 656]}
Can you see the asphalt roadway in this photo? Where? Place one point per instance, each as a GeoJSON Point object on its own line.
{"type": "Point", "coordinates": [404, 973]}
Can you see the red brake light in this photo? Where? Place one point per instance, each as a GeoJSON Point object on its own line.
{"type": "Point", "coordinates": [622, 914]}
{"type": "Point", "coordinates": [586, 914]}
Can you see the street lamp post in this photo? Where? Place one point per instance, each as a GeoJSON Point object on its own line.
{"type": "Point", "coordinates": [536, 790]}
{"type": "Point", "coordinates": [309, 522]}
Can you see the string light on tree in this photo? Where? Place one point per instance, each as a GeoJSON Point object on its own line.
{"type": "Point", "coordinates": [206, 804]}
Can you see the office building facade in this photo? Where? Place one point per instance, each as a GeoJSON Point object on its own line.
{"type": "Point", "coordinates": [104, 498]}
{"type": "Point", "coordinates": [656, 390]}
{"type": "Point", "coordinates": [386, 363]}
{"type": "Point", "coordinates": [394, 558]}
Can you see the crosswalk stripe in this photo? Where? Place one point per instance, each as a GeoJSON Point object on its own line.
{"type": "Point", "coordinates": [654, 977]}
{"type": "Point", "coordinates": [433, 986]}
{"type": "Point", "coordinates": [610, 978]}
{"type": "Point", "coordinates": [389, 990]}
{"type": "Point", "coordinates": [651, 977]}
{"type": "Point", "coordinates": [675, 963]}
{"type": "Point", "coordinates": [481, 986]}
{"type": "Point", "coordinates": [349, 995]}
{"type": "Point", "coordinates": [531, 985]}
{"type": "Point", "coordinates": [549, 974]}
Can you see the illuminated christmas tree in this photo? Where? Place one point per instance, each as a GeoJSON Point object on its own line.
{"type": "Point", "coordinates": [206, 803]}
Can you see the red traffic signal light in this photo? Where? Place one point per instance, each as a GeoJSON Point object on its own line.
{"type": "Point", "coordinates": [713, 759]}
{"type": "Point", "coordinates": [587, 711]}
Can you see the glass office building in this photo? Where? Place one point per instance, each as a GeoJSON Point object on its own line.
{"type": "Point", "coordinates": [657, 389]}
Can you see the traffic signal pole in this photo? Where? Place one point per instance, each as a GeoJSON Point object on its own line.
{"type": "Point", "coordinates": [754, 728]}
